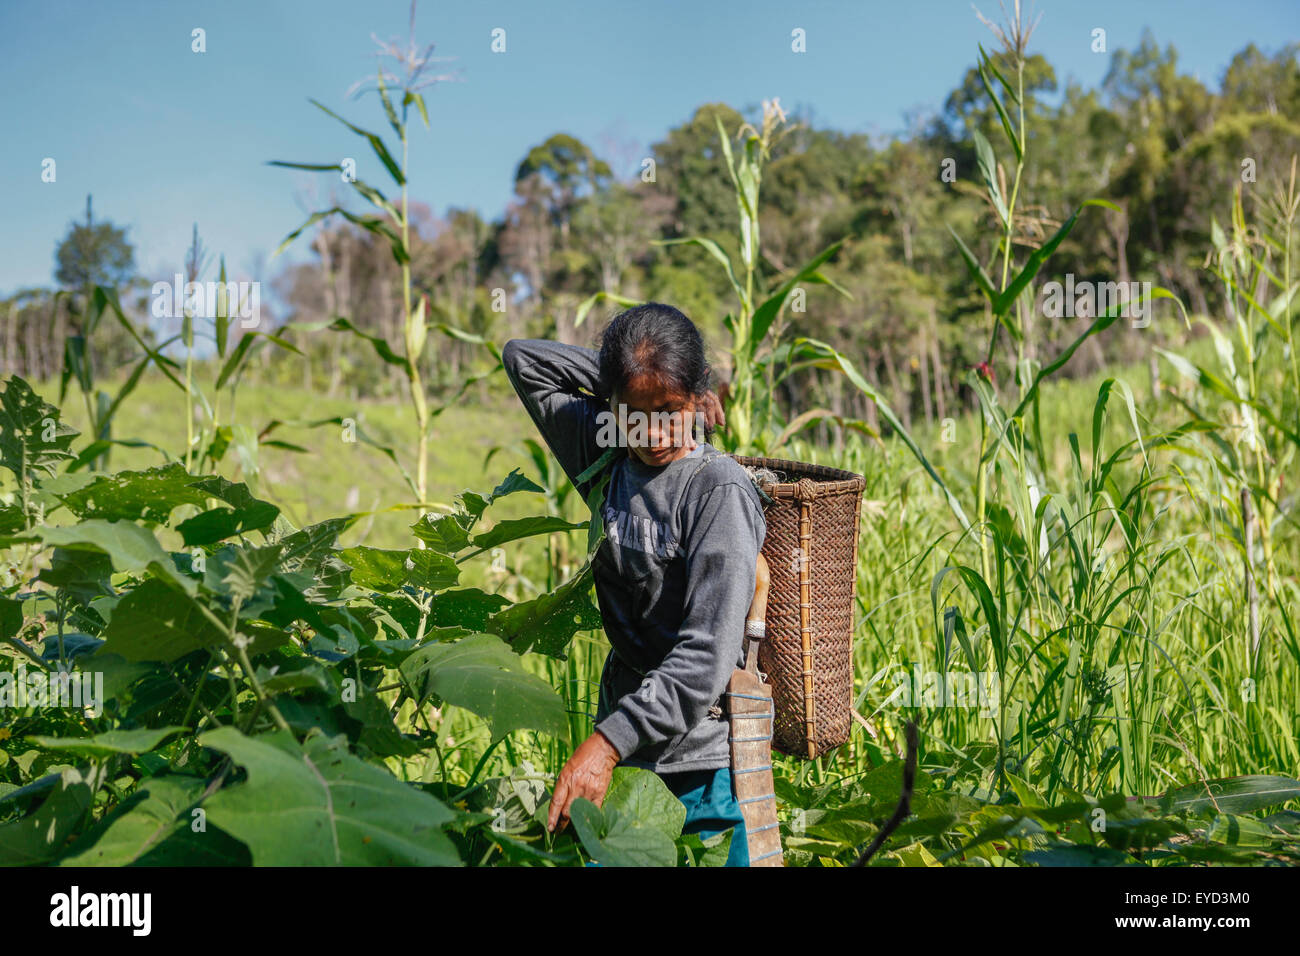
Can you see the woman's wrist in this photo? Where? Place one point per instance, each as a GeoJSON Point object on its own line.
{"type": "Point", "coordinates": [607, 746]}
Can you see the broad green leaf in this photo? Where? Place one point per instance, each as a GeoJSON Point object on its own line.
{"type": "Point", "coordinates": [512, 529]}
{"type": "Point", "coordinates": [483, 675]}
{"type": "Point", "coordinates": [385, 570]}
{"type": "Point", "coordinates": [377, 568]}
{"type": "Point", "coordinates": [467, 607]}
{"type": "Point", "coordinates": [315, 804]}
{"type": "Point", "coordinates": [1066, 855]}
{"type": "Point", "coordinates": [304, 550]}
{"type": "Point", "coordinates": [156, 623]}
{"type": "Point", "coordinates": [246, 513]}
{"type": "Point", "coordinates": [239, 571]}
{"type": "Point", "coordinates": [148, 495]}
{"type": "Point", "coordinates": [110, 742]}
{"type": "Point", "coordinates": [643, 794]}
{"type": "Point", "coordinates": [130, 547]}
{"type": "Point", "coordinates": [152, 828]}
{"type": "Point", "coordinates": [33, 437]}
{"type": "Point", "coordinates": [375, 729]}
{"type": "Point", "coordinates": [476, 504]}
{"type": "Point", "coordinates": [12, 519]}
{"type": "Point", "coordinates": [547, 623]}
{"type": "Point", "coordinates": [39, 837]}
{"type": "Point", "coordinates": [82, 575]}
{"type": "Point", "coordinates": [712, 852]}
{"type": "Point", "coordinates": [443, 533]}
{"type": "Point", "coordinates": [1236, 830]}
{"type": "Point", "coordinates": [11, 617]}
{"type": "Point", "coordinates": [294, 674]}
{"type": "Point", "coordinates": [915, 855]}
{"type": "Point", "coordinates": [636, 825]}
{"type": "Point", "coordinates": [430, 570]}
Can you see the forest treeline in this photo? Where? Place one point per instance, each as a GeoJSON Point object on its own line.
{"type": "Point", "coordinates": [1164, 147]}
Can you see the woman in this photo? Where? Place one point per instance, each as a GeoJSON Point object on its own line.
{"type": "Point", "coordinates": [675, 574]}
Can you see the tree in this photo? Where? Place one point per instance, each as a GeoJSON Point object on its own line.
{"type": "Point", "coordinates": [1257, 83]}
{"type": "Point", "coordinates": [93, 253]}
{"type": "Point", "coordinates": [690, 166]}
{"type": "Point", "coordinates": [564, 165]}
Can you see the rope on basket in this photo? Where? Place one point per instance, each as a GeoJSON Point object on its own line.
{"type": "Point", "coordinates": [761, 477]}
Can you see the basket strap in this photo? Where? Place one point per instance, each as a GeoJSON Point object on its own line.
{"type": "Point", "coordinates": [805, 625]}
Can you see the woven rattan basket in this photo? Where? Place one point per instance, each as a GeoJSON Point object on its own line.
{"type": "Point", "coordinates": [811, 549]}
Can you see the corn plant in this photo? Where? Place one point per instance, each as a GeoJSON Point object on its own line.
{"type": "Point", "coordinates": [1257, 363]}
{"type": "Point", "coordinates": [79, 366]}
{"type": "Point", "coordinates": [391, 223]}
{"type": "Point", "coordinates": [1249, 407]}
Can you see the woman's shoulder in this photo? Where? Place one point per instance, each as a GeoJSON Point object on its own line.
{"type": "Point", "coordinates": [718, 470]}
{"type": "Point", "coordinates": [715, 466]}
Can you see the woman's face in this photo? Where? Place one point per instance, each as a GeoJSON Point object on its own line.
{"type": "Point", "coordinates": [658, 420]}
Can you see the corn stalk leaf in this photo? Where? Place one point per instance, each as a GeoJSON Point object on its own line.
{"type": "Point", "coordinates": [1101, 323]}
{"type": "Point", "coordinates": [242, 349]}
{"type": "Point", "coordinates": [984, 65]}
{"type": "Point", "coordinates": [989, 170]}
{"type": "Point", "coordinates": [974, 268]}
{"type": "Point", "coordinates": [374, 225]}
{"type": "Point", "coordinates": [766, 313]}
{"type": "Point", "coordinates": [887, 413]}
{"type": "Point", "coordinates": [378, 343]}
{"type": "Point", "coordinates": [1007, 296]}
{"type": "Point", "coordinates": [376, 144]}
{"type": "Point", "coordinates": [713, 249]}
{"type": "Point", "coordinates": [587, 304]}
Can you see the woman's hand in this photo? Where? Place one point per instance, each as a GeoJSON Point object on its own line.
{"type": "Point", "coordinates": [708, 408]}
{"type": "Point", "coordinates": [586, 774]}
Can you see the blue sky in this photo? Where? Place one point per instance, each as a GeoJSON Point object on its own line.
{"type": "Point", "coordinates": [165, 137]}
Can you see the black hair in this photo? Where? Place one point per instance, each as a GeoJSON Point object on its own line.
{"type": "Point", "coordinates": [659, 341]}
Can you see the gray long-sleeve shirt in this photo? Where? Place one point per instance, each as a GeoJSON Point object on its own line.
{"type": "Point", "coordinates": [674, 576]}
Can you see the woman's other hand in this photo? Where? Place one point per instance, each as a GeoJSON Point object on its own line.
{"type": "Point", "coordinates": [708, 412]}
{"type": "Point", "coordinates": [586, 774]}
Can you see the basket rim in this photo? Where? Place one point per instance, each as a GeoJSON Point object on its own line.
{"type": "Point", "coordinates": [825, 479]}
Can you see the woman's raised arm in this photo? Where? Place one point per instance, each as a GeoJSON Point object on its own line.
{"type": "Point", "coordinates": [559, 385]}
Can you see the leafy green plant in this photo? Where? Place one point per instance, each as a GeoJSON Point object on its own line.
{"type": "Point", "coordinates": [231, 668]}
